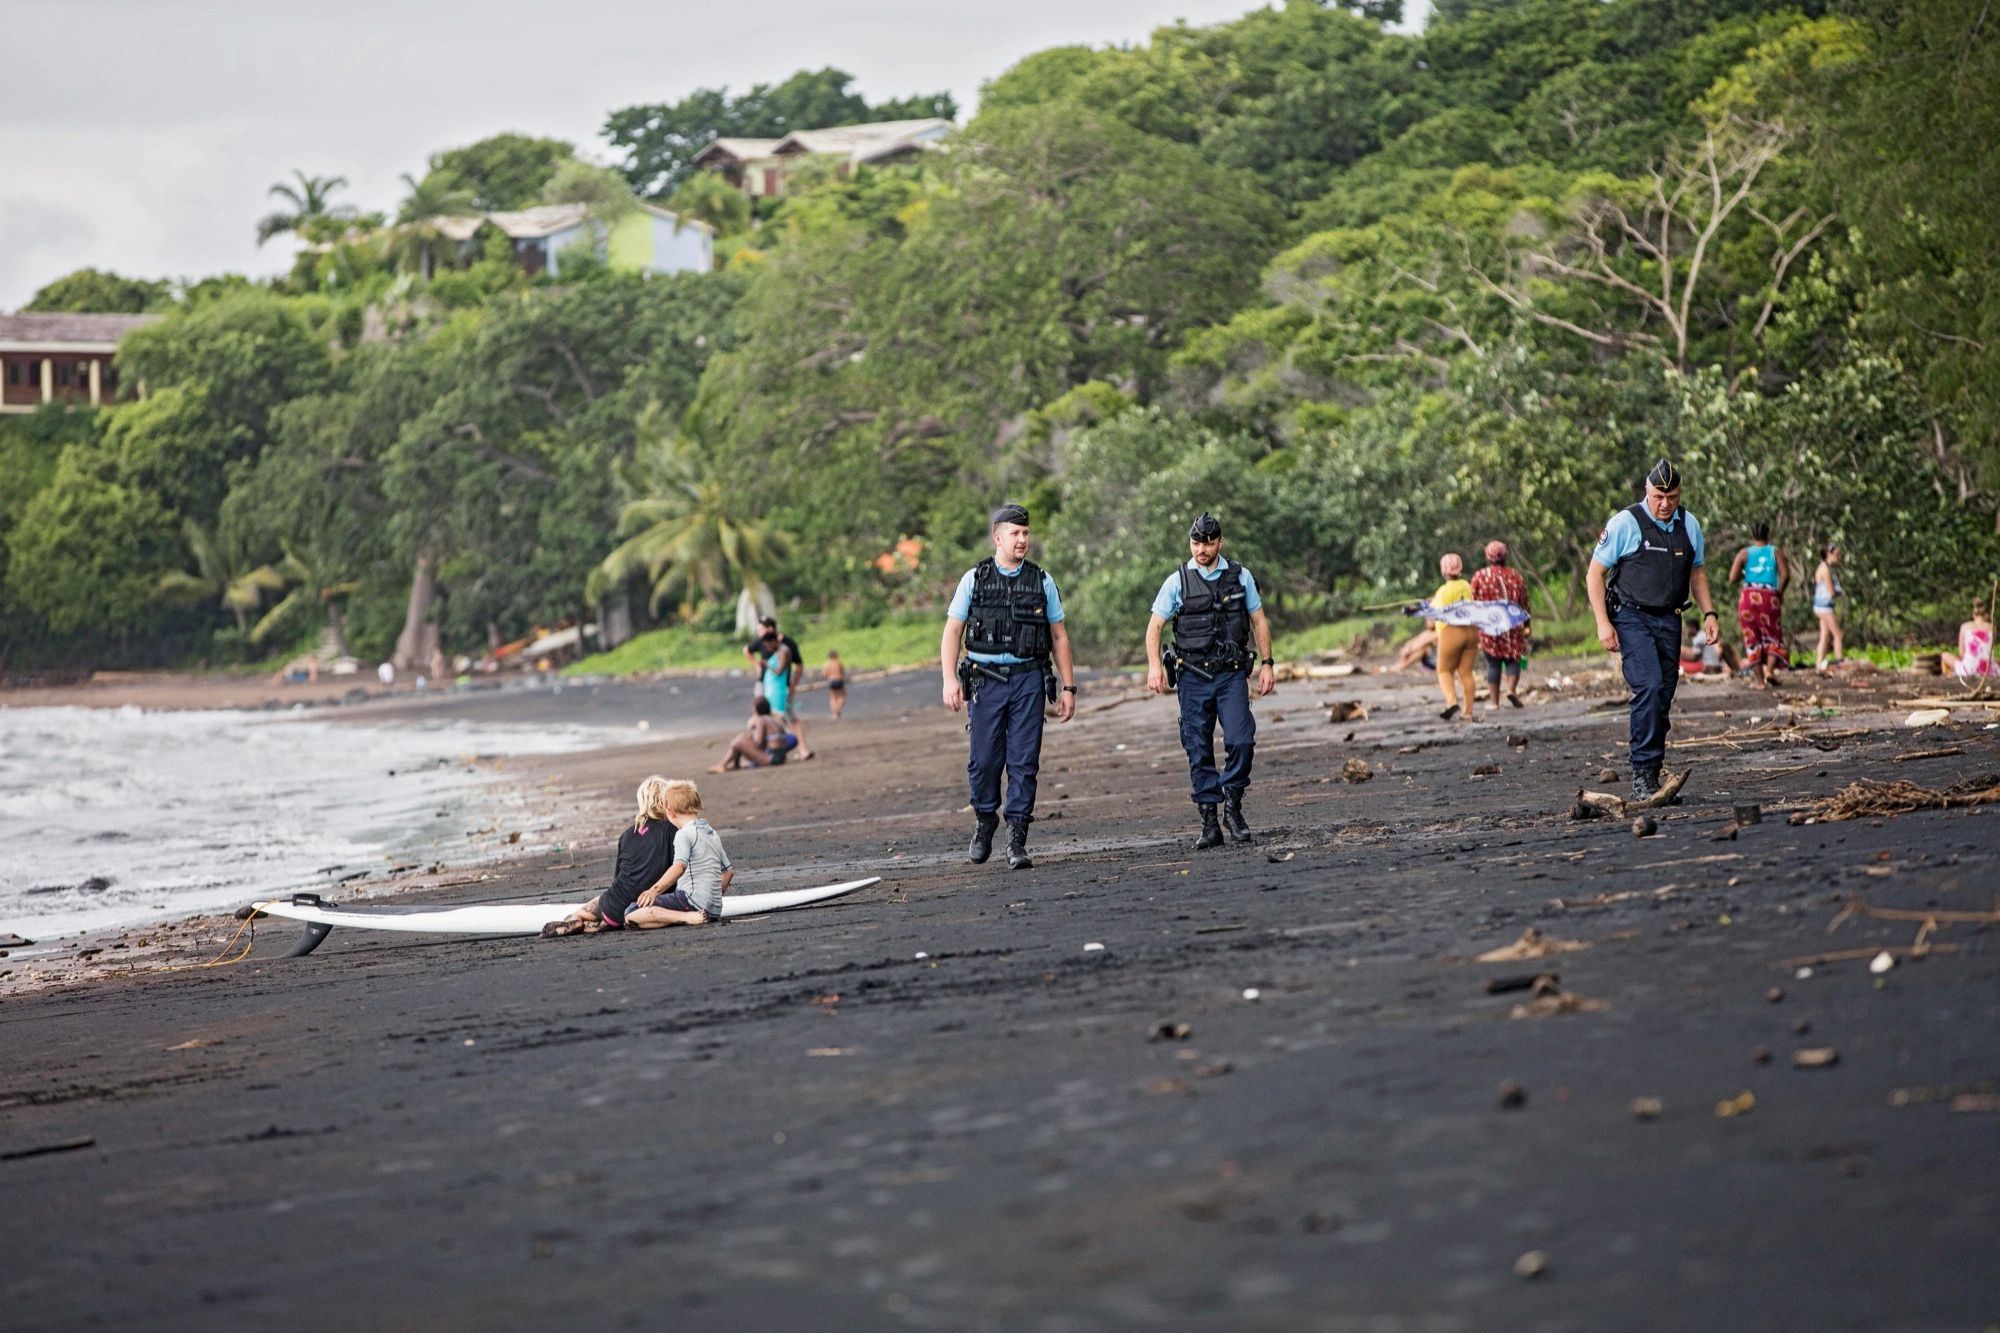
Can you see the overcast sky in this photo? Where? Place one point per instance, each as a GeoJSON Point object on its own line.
{"type": "Point", "coordinates": [142, 135]}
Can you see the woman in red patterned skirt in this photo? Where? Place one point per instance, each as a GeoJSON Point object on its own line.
{"type": "Point", "coordinates": [1760, 606]}
{"type": "Point", "coordinates": [1500, 582]}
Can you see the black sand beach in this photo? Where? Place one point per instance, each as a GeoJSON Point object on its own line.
{"type": "Point", "coordinates": [935, 1106]}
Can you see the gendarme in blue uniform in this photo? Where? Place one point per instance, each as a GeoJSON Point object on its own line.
{"type": "Point", "coordinates": [1214, 678]}
{"type": "Point", "coordinates": [1007, 631]}
{"type": "Point", "coordinates": [1650, 564]}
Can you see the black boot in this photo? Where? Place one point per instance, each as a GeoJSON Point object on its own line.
{"type": "Point", "coordinates": [1232, 816]}
{"type": "Point", "coordinates": [1211, 829]}
{"type": "Point", "coordinates": [981, 846]}
{"type": "Point", "coordinates": [1017, 846]}
{"type": "Point", "coordinates": [1645, 783]}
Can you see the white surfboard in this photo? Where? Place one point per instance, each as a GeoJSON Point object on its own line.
{"type": "Point", "coordinates": [506, 918]}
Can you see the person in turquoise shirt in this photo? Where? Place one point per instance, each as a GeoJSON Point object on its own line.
{"type": "Point", "coordinates": [1762, 570]}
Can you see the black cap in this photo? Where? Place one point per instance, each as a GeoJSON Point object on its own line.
{"type": "Point", "coordinates": [1664, 476]}
{"type": "Point", "coordinates": [1010, 513]}
{"type": "Point", "coordinates": [1205, 529]}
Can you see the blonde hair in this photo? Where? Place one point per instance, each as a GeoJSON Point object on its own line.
{"type": "Point", "coordinates": [1450, 565]}
{"type": "Point", "coordinates": [683, 797]}
{"type": "Point", "coordinates": [655, 799]}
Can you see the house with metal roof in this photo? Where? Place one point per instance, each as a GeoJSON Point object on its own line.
{"type": "Point", "coordinates": [757, 166]}
{"type": "Point", "coordinates": [61, 358]}
{"type": "Point", "coordinates": [647, 240]}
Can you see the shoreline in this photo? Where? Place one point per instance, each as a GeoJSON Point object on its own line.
{"type": "Point", "coordinates": [883, 1084]}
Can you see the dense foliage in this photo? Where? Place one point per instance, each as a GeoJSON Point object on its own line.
{"type": "Point", "coordinates": [1369, 295]}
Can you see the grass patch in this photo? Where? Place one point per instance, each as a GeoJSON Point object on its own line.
{"type": "Point", "coordinates": [895, 641]}
{"type": "Point", "coordinates": [1892, 659]}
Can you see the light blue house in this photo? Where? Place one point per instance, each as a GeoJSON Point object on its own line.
{"type": "Point", "coordinates": [647, 240]}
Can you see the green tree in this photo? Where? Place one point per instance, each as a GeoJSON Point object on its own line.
{"type": "Point", "coordinates": [660, 139]}
{"type": "Point", "coordinates": [223, 572]}
{"type": "Point", "coordinates": [1844, 456]}
{"type": "Point", "coordinates": [709, 199]}
{"type": "Point", "coordinates": [317, 584]}
{"type": "Point", "coordinates": [102, 292]}
{"type": "Point", "coordinates": [307, 202]}
{"type": "Point", "coordinates": [87, 553]}
{"type": "Point", "coordinates": [415, 237]}
{"type": "Point", "coordinates": [498, 173]}
{"type": "Point", "coordinates": [692, 532]}
{"type": "Point", "coordinates": [1132, 483]}
{"type": "Point", "coordinates": [1905, 151]}
{"type": "Point", "coordinates": [250, 353]}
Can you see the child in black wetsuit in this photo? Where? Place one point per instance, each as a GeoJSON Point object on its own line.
{"type": "Point", "coordinates": [645, 854]}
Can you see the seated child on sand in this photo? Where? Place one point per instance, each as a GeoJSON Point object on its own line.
{"type": "Point", "coordinates": [671, 871]}
{"type": "Point", "coordinates": [762, 742]}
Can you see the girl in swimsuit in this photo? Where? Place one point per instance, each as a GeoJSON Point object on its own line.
{"type": "Point", "coordinates": [1826, 591]}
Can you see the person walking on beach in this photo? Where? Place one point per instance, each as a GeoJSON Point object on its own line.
{"type": "Point", "coordinates": [1764, 572]}
{"type": "Point", "coordinates": [1505, 653]}
{"type": "Point", "coordinates": [1220, 635]}
{"type": "Point", "coordinates": [1827, 591]}
{"type": "Point", "coordinates": [1456, 644]}
{"type": "Point", "coordinates": [1648, 559]}
{"type": "Point", "coordinates": [652, 856]}
{"type": "Point", "coordinates": [836, 684]}
{"type": "Point", "coordinates": [1007, 618]}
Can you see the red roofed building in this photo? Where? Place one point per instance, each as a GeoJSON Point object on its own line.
{"type": "Point", "coordinates": [61, 358]}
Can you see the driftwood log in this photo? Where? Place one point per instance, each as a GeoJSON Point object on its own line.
{"type": "Point", "coordinates": [1619, 806]}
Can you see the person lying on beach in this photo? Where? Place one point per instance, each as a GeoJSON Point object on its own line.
{"type": "Point", "coordinates": [762, 742]}
{"type": "Point", "coordinates": [649, 863]}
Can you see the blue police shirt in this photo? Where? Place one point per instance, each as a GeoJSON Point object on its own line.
{"type": "Point", "coordinates": [1168, 604]}
{"type": "Point", "coordinates": [1621, 537]}
{"type": "Point", "coordinates": [961, 608]}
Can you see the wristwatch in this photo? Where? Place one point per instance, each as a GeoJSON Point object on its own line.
{"type": "Point", "coordinates": [1268, 661]}
{"type": "Point", "coordinates": [1706, 614]}
{"type": "Point", "coordinates": [1069, 689]}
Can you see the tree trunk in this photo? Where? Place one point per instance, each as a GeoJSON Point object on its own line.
{"type": "Point", "coordinates": [418, 640]}
{"type": "Point", "coordinates": [336, 623]}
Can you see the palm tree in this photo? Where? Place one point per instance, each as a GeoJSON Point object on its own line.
{"type": "Point", "coordinates": [220, 573]}
{"type": "Point", "coordinates": [706, 197]}
{"type": "Point", "coordinates": [430, 201]}
{"type": "Point", "coordinates": [312, 581]}
{"type": "Point", "coordinates": [309, 202]}
{"type": "Point", "coordinates": [689, 532]}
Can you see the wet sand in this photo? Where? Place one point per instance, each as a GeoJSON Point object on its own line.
{"type": "Point", "coordinates": [798, 1121]}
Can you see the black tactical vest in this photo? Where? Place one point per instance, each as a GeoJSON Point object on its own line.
{"type": "Point", "coordinates": [1213, 621]}
{"type": "Point", "coordinates": [1009, 615]}
{"type": "Point", "coordinates": [1655, 577]}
